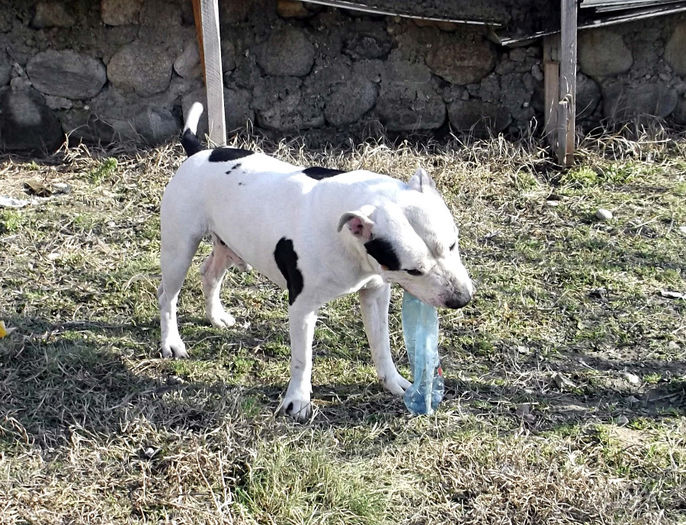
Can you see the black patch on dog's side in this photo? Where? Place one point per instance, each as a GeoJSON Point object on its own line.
{"type": "Point", "coordinates": [319, 173]}
{"type": "Point", "coordinates": [287, 261]}
{"type": "Point", "coordinates": [190, 142]}
{"type": "Point", "coordinates": [227, 154]}
{"type": "Point", "coordinates": [383, 252]}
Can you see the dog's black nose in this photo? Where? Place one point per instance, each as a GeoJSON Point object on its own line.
{"type": "Point", "coordinates": [458, 301]}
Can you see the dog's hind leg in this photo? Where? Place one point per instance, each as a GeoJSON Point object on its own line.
{"type": "Point", "coordinates": [175, 258]}
{"type": "Point", "coordinates": [213, 271]}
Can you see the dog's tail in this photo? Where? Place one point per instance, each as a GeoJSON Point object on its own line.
{"type": "Point", "coordinates": [189, 140]}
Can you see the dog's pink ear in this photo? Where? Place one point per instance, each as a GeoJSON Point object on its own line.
{"type": "Point", "coordinates": [359, 225]}
{"type": "Point", "coordinates": [421, 181]}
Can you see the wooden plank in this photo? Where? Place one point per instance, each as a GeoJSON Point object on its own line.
{"type": "Point", "coordinates": [214, 81]}
{"type": "Point", "coordinates": [568, 46]}
{"type": "Point", "coordinates": [198, 32]}
{"type": "Point", "coordinates": [551, 87]}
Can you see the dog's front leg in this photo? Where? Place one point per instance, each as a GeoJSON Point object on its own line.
{"type": "Point", "coordinates": [296, 402]}
{"type": "Point", "coordinates": [374, 301]}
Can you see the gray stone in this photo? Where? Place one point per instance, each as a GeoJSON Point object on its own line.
{"type": "Point", "coordinates": [228, 55]}
{"type": "Point", "coordinates": [187, 64]}
{"type": "Point", "coordinates": [120, 12]}
{"type": "Point", "coordinates": [603, 214]}
{"type": "Point", "coordinates": [399, 70]}
{"type": "Point", "coordinates": [407, 99]}
{"type": "Point", "coordinates": [140, 67]}
{"type": "Point", "coordinates": [233, 12]}
{"type": "Point", "coordinates": [410, 108]}
{"type": "Point", "coordinates": [368, 44]}
{"type": "Point", "coordinates": [588, 96]}
{"type": "Point", "coordinates": [83, 125]}
{"type": "Point", "coordinates": [477, 117]}
{"type": "Point", "coordinates": [287, 52]}
{"type": "Point", "coordinates": [281, 106]}
{"type": "Point", "coordinates": [51, 14]}
{"type": "Point", "coordinates": [369, 69]}
{"type": "Point", "coordinates": [461, 58]}
{"type": "Point", "coordinates": [603, 53]}
{"type": "Point", "coordinates": [26, 123]}
{"type": "Point", "coordinates": [516, 95]}
{"type": "Point", "coordinates": [156, 125]}
{"type": "Point", "coordinates": [349, 101]}
{"type": "Point", "coordinates": [58, 102]}
{"type": "Point", "coordinates": [623, 102]}
{"type": "Point", "coordinates": [160, 15]}
{"type": "Point", "coordinates": [679, 113]}
{"type": "Point", "coordinates": [238, 110]}
{"type": "Point", "coordinates": [66, 74]}
{"type": "Point", "coordinates": [675, 50]}
{"type": "Point", "coordinates": [5, 70]}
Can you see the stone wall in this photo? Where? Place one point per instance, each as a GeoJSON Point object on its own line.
{"type": "Point", "coordinates": [125, 70]}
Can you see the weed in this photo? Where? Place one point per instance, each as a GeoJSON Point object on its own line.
{"type": "Point", "coordinates": [103, 171]}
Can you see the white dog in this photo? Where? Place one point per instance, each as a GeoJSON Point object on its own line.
{"type": "Point", "coordinates": [319, 233]}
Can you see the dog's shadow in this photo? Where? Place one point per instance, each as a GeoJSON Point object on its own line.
{"type": "Point", "coordinates": [101, 377]}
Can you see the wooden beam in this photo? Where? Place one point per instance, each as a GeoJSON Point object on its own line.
{"type": "Point", "coordinates": [567, 108]}
{"type": "Point", "coordinates": [206, 14]}
{"type": "Point", "coordinates": [551, 86]}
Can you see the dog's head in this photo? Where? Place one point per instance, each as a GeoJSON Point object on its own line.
{"type": "Point", "coordinates": [413, 241]}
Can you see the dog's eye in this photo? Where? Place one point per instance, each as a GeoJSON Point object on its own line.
{"type": "Point", "coordinates": [414, 272]}
{"type": "Point", "coordinates": [452, 246]}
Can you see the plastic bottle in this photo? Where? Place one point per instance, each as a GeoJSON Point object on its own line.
{"type": "Point", "coordinates": [420, 331]}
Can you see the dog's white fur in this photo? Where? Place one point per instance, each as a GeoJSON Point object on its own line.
{"type": "Point", "coordinates": [249, 205]}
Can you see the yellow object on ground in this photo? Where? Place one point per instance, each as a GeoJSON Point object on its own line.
{"type": "Point", "coordinates": [4, 331]}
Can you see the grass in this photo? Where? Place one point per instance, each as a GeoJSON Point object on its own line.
{"type": "Point", "coordinates": [565, 377]}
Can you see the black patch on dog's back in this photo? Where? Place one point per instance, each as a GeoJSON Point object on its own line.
{"type": "Point", "coordinates": [383, 252]}
{"type": "Point", "coordinates": [287, 261]}
{"type": "Point", "coordinates": [227, 154]}
{"type": "Point", "coordinates": [319, 173]}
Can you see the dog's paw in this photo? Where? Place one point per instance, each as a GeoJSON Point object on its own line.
{"type": "Point", "coordinates": [396, 384]}
{"type": "Point", "coordinates": [299, 410]}
{"type": "Point", "coordinates": [222, 319]}
{"type": "Point", "coordinates": [297, 407]}
{"type": "Point", "coordinates": [175, 349]}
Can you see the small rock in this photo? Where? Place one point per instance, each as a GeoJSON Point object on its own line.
{"type": "Point", "coordinates": [120, 12]}
{"type": "Point", "coordinates": [669, 294]}
{"type": "Point", "coordinates": [632, 378]}
{"type": "Point", "coordinates": [622, 420]}
{"type": "Point", "coordinates": [523, 350]}
{"type": "Point", "coordinates": [633, 400]}
{"type": "Point", "coordinates": [61, 187]}
{"type": "Point", "coordinates": [562, 382]}
{"type": "Point", "coordinates": [10, 202]}
{"type": "Point", "coordinates": [682, 230]}
{"type": "Point", "coordinates": [603, 215]}
{"type": "Point", "coordinates": [149, 452]}
{"type": "Point", "coordinates": [51, 14]}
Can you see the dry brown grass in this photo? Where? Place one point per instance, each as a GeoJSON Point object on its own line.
{"type": "Point", "coordinates": [543, 421]}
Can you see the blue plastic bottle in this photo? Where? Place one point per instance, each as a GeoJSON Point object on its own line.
{"type": "Point", "coordinates": [420, 330]}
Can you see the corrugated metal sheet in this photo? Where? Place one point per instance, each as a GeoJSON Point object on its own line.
{"type": "Point", "coordinates": [599, 13]}
{"type": "Point", "coordinates": [514, 22]}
